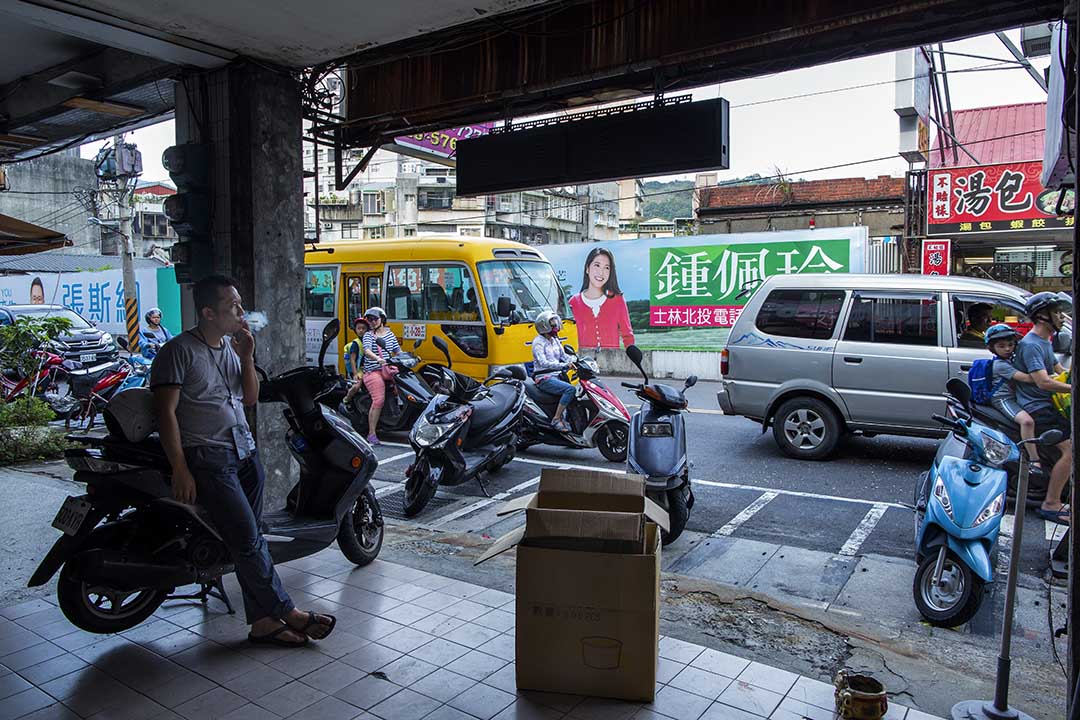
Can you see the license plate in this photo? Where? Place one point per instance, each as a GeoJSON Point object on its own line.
{"type": "Point", "coordinates": [72, 514]}
{"type": "Point", "coordinates": [88, 357]}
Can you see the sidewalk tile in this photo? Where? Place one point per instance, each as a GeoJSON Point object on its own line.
{"type": "Point", "coordinates": [448, 713]}
{"type": "Point", "coordinates": [329, 709]}
{"type": "Point", "coordinates": [464, 590]}
{"type": "Point", "coordinates": [502, 646]}
{"type": "Point", "coordinates": [406, 705]}
{"type": "Point", "coordinates": [406, 592]}
{"type": "Point", "coordinates": [467, 610]}
{"type": "Point", "coordinates": [18, 639]}
{"type": "Point", "coordinates": [24, 702]}
{"type": "Point", "coordinates": [679, 651]}
{"type": "Point", "coordinates": [813, 692]}
{"type": "Point", "coordinates": [257, 683]}
{"type": "Point", "coordinates": [81, 680]}
{"type": "Point", "coordinates": [556, 701]}
{"type": "Point", "coordinates": [374, 628]}
{"type": "Point", "coordinates": [37, 620]}
{"type": "Point", "coordinates": [443, 685]}
{"type": "Point", "coordinates": [492, 598]}
{"type": "Point", "coordinates": [333, 677]}
{"type": "Point", "coordinates": [31, 656]}
{"type": "Point", "coordinates": [432, 582]}
{"type": "Point", "coordinates": [720, 711]}
{"type": "Point", "coordinates": [482, 701]}
{"type": "Point", "coordinates": [90, 701]}
{"type": "Point", "coordinates": [438, 624]}
{"type": "Point", "coordinates": [791, 709]}
{"type": "Point", "coordinates": [340, 643]}
{"type": "Point", "coordinates": [51, 669]}
{"type": "Point", "coordinates": [476, 665]}
{"type": "Point", "coordinates": [497, 620]}
{"type": "Point", "coordinates": [471, 635]}
{"type": "Point", "coordinates": [769, 678]}
{"type": "Point", "coordinates": [368, 692]}
{"type": "Point", "coordinates": [12, 684]}
{"type": "Point", "coordinates": [371, 657]}
{"type": "Point", "coordinates": [408, 670]}
{"type": "Point", "coordinates": [701, 682]}
{"type": "Point", "coordinates": [176, 643]}
{"type": "Point", "coordinates": [505, 679]}
{"type": "Point", "coordinates": [216, 662]}
{"type": "Point", "coordinates": [604, 709]}
{"type": "Point", "coordinates": [666, 670]}
{"type": "Point", "coordinates": [440, 652]}
{"type": "Point", "coordinates": [14, 612]}
{"type": "Point", "coordinates": [721, 663]}
{"type": "Point", "coordinates": [212, 705]}
{"type": "Point", "coordinates": [140, 708]}
{"type": "Point", "coordinates": [180, 689]}
{"type": "Point", "coordinates": [301, 662]}
{"type": "Point", "coordinates": [679, 704]}
{"type": "Point", "coordinates": [750, 698]}
{"type": "Point", "coordinates": [407, 613]}
{"type": "Point", "coordinates": [435, 601]}
{"type": "Point", "coordinates": [250, 711]}
{"type": "Point", "coordinates": [290, 699]}
{"type": "Point", "coordinates": [58, 712]}
{"type": "Point", "coordinates": [523, 709]}
{"type": "Point", "coordinates": [76, 640]}
{"type": "Point", "coordinates": [406, 640]}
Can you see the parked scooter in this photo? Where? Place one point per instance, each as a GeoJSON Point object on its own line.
{"type": "Point", "coordinates": [657, 447]}
{"type": "Point", "coordinates": [464, 432]}
{"type": "Point", "coordinates": [959, 504]}
{"type": "Point", "coordinates": [127, 545]}
{"type": "Point", "coordinates": [596, 416]}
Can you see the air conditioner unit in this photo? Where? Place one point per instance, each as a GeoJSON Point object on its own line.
{"type": "Point", "coordinates": [328, 226]}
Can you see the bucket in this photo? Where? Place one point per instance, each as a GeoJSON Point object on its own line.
{"type": "Point", "coordinates": [601, 653]}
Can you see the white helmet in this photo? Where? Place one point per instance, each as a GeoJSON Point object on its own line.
{"type": "Point", "coordinates": [130, 414]}
{"type": "Point", "coordinates": [548, 322]}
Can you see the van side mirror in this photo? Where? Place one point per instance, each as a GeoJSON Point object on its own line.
{"type": "Point", "coordinates": [504, 307]}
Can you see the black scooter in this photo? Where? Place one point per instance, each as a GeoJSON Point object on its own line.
{"type": "Point", "coordinates": [405, 401]}
{"type": "Point", "coordinates": [469, 429]}
{"type": "Point", "coordinates": [127, 545]}
{"type": "Point", "coordinates": [657, 447]}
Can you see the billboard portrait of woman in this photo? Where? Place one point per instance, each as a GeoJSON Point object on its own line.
{"type": "Point", "coordinates": [600, 309]}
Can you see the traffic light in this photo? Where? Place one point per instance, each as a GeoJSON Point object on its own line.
{"type": "Point", "coordinates": [189, 209]}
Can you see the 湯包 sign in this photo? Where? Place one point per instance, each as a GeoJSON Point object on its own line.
{"type": "Point", "coordinates": [993, 198]}
{"type": "Point", "coordinates": [936, 256]}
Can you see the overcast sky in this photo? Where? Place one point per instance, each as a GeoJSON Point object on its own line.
{"type": "Point", "coordinates": [798, 135]}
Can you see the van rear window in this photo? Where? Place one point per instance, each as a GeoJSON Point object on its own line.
{"type": "Point", "coordinates": [800, 313]}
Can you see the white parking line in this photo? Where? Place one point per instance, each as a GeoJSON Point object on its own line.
{"type": "Point", "coordinates": [484, 503]}
{"type": "Point", "coordinates": [388, 489]}
{"type": "Point", "coordinates": [395, 458]}
{"type": "Point", "coordinates": [748, 512]}
{"type": "Point", "coordinates": [859, 535]}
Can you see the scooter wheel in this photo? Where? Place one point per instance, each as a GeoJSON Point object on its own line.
{"type": "Point", "coordinates": [361, 534]}
{"type": "Point", "coordinates": [99, 609]}
{"type": "Point", "coordinates": [612, 441]}
{"type": "Point", "coordinates": [418, 490]}
{"type": "Point", "coordinates": [678, 516]}
{"type": "Point", "coordinates": [956, 600]}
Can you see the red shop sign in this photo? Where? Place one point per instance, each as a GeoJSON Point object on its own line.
{"type": "Point", "coordinates": [993, 198]}
{"type": "Point", "coordinates": [936, 256]}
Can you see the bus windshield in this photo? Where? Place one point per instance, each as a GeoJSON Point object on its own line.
{"type": "Point", "coordinates": [530, 285]}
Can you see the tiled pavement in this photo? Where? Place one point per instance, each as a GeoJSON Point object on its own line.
{"type": "Point", "coordinates": [409, 645]}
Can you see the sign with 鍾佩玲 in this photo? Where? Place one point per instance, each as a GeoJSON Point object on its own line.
{"type": "Point", "coordinates": [994, 198]}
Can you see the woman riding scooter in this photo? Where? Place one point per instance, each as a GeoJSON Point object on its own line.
{"type": "Point", "coordinates": [549, 359]}
{"type": "Point", "coordinates": [376, 371]}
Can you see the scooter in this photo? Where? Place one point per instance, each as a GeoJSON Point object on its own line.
{"type": "Point", "coordinates": [405, 400]}
{"type": "Point", "coordinates": [596, 416]}
{"type": "Point", "coordinates": [657, 447]}
{"type": "Point", "coordinates": [461, 434]}
{"type": "Point", "coordinates": [127, 545]}
{"type": "Point", "coordinates": [959, 504]}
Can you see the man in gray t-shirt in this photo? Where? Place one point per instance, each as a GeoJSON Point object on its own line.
{"type": "Point", "coordinates": [201, 381]}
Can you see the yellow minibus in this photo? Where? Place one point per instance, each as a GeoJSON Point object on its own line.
{"type": "Point", "coordinates": [480, 295]}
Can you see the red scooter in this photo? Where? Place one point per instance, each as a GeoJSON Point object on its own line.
{"type": "Point", "coordinates": [92, 388]}
{"type": "Point", "coordinates": [596, 416]}
{"type": "Point", "coordinates": [43, 383]}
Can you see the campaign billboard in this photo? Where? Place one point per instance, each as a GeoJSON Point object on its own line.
{"type": "Point", "coordinates": [672, 293]}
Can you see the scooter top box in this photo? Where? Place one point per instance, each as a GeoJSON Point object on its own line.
{"type": "Point", "coordinates": [584, 510]}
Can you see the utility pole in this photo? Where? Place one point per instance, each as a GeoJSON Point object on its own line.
{"type": "Point", "coordinates": [118, 169]}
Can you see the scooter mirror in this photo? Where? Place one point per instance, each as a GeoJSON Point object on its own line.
{"type": "Point", "coordinates": [959, 390]}
{"type": "Point", "coordinates": [442, 347]}
{"type": "Point", "coordinates": [517, 372]}
{"type": "Point", "coordinates": [1050, 437]}
{"type": "Point", "coordinates": [416, 345]}
{"type": "Point", "coordinates": [634, 354]}
{"type": "Point", "coordinates": [381, 342]}
{"type": "Point", "coordinates": [569, 350]}
{"type": "Point", "coordinates": [331, 330]}
{"type": "Point", "coordinates": [691, 382]}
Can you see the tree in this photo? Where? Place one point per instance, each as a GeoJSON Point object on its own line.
{"type": "Point", "coordinates": [20, 340]}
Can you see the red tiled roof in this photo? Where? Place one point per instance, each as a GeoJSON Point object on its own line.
{"type": "Point", "coordinates": [1003, 133]}
{"type": "Point", "coordinates": [880, 190]}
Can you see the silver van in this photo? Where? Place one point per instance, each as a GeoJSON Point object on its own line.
{"type": "Point", "coordinates": [817, 356]}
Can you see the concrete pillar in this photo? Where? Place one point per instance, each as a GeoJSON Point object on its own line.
{"type": "Point", "coordinates": [250, 115]}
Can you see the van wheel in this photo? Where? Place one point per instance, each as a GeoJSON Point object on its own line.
{"type": "Point", "coordinates": [806, 428]}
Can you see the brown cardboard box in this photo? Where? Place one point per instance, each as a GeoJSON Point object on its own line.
{"type": "Point", "coordinates": [588, 585]}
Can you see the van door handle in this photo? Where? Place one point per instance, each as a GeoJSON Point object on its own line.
{"type": "Point", "coordinates": [853, 360]}
{"type": "Point", "coordinates": [965, 368]}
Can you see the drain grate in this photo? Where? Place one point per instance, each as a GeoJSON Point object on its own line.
{"type": "Point", "coordinates": [391, 506]}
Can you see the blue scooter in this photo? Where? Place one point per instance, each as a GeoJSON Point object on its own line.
{"type": "Point", "coordinates": [959, 504]}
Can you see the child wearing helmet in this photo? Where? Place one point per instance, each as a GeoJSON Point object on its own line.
{"type": "Point", "coordinates": [549, 359]}
{"type": "Point", "coordinates": [353, 366]}
{"type": "Point", "coordinates": [1001, 341]}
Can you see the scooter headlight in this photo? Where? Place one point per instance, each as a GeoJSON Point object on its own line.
{"type": "Point", "coordinates": [992, 510]}
{"type": "Point", "coordinates": [427, 434]}
{"type": "Point", "coordinates": [995, 451]}
{"type": "Point", "coordinates": [943, 497]}
{"type": "Point", "coordinates": [608, 407]}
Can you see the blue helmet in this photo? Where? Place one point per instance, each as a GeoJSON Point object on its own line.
{"type": "Point", "coordinates": [1000, 331]}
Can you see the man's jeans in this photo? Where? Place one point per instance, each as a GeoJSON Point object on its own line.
{"type": "Point", "coordinates": [231, 492]}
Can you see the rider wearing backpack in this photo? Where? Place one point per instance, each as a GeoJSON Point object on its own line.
{"type": "Point", "coordinates": [1001, 340]}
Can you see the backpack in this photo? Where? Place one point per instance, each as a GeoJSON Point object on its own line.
{"type": "Point", "coordinates": [981, 381]}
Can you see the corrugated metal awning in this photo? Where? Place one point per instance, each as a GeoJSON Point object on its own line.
{"type": "Point", "coordinates": [18, 237]}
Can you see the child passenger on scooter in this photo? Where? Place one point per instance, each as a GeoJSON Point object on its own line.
{"type": "Point", "coordinates": [1001, 340]}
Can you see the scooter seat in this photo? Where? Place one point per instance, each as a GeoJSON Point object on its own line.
{"type": "Point", "coordinates": [547, 401]}
{"type": "Point", "coordinates": [490, 409]}
{"type": "Point", "coordinates": [989, 415]}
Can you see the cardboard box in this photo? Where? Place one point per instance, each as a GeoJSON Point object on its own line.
{"type": "Point", "coordinates": [588, 585]}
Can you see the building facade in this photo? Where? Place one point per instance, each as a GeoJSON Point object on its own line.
{"type": "Point", "coordinates": [47, 191]}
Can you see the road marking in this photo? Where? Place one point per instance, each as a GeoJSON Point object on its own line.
{"type": "Point", "coordinates": [395, 458]}
{"type": "Point", "coordinates": [712, 483]}
{"type": "Point", "coordinates": [859, 535]}
{"type": "Point", "coordinates": [748, 512]}
{"type": "Point", "coordinates": [388, 489]}
{"type": "Point", "coordinates": [484, 502]}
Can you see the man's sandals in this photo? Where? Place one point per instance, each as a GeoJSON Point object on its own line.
{"type": "Point", "coordinates": [309, 630]}
{"type": "Point", "coordinates": [1060, 516]}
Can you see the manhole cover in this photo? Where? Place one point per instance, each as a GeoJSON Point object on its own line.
{"type": "Point", "coordinates": [391, 506]}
